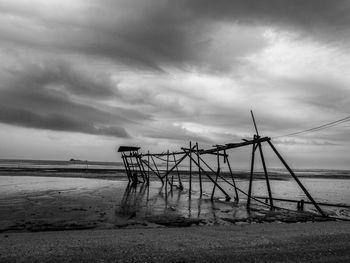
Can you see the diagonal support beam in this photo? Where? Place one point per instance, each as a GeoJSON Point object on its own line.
{"type": "Point", "coordinates": [266, 175]}
{"type": "Point", "coordinates": [297, 180]}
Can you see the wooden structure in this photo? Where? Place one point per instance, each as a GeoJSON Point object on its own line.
{"type": "Point", "coordinates": [139, 167]}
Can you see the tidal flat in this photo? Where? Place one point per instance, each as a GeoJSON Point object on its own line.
{"type": "Point", "coordinates": [38, 203]}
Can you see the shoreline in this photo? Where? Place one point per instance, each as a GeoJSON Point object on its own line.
{"type": "Point", "coordinates": [45, 203]}
{"type": "Point", "coordinates": [98, 173]}
{"type": "Point", "coordinates": [303, 242]}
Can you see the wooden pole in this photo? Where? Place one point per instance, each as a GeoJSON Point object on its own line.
{"type": "Point", "coordinates": [166, 174]}
{"type": "Point", "coordinates": [251, 175]}
{"type": "Point", "coordinates": [199, 173]}
{"type": "Point", "coordinates": [266, 175]}
{"type": "Point", "coordinates": [126, 167]}
{"type": "Point", "coordinates": [132, 169]}
{"type": "Point", "coordinates": [144, 171]}
{"type": "Point", "coordinates": [178, 174]}
{"type": "Point", "coordinates": [140, 168]}
{"type": "Point", "coordinates": [190, 190]}
{"type": "Point", "coordinates": [223, 178]}
{"type": "Point", "coordinates": [179, 161]}
{"type": "Point", "coordinates": [297, 180]}
{"type": "Point", "coordinates": [233, 179]}
{"type": "Point", "coordinates": [158, 174]}
{"type": "Point", "coordinates": [217, 174]}
{"type": "Point", "coordinates": [155, 172]}
{"type": "Point", "coordinates": [256, 128]}
{"type": "Point", "coordinates": [148, 168]}
{"type": "Point", "coordinates": [167, 168]}
{"type": "Point", "coordinates": [211, 179]}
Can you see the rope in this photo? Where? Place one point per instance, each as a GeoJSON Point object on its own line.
{"type": "Point", "coordinates": [318, 128]}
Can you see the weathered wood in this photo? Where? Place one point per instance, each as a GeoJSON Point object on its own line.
{"type": "Point", "coordinates": [233, 180]}
{"type": "Point", "coordinates": [155, 172]}
{"type": "Point", "coordinates": [266, 175]}
{"type": "Point", "coordinates": [155, 166]}
{"type": "Point", "coordinates": [217, 174]}
{"type": "Point", "coordinates": [199, 172]}
{"type": "Point", "coordinates": [126, 168]}
{"type": "Point", "coordinates": [236, 145]}
{"type": "Point", "coordinates": [190, 190]}
{"type": "Point", "coordinates": [178, 174]}
{"type": "Point", "coordinates": [147, 168]}
{"type": "Point", "coordinates": [256, 128]}
{"type": "Point", "coordinates": [128, 149]}
{"type": "Point", "coordinates": [144, 171]}
{"type": "Point", "coordinates": [297, 180]}
{"type": "Point", "coordinates": [251, 176]}
{"type": "Point", "coordinates": [306, 202]}
{"type": "Point", "coordinates": [211, 179]}
{"type": "Point", "coordinates": [179, 161]}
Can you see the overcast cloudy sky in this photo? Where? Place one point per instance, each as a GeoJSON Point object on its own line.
{"type": "Point", "coordinates": [80, 77]}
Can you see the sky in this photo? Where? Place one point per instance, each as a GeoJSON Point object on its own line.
{"type": "Point", "coordinates": [79, 78]}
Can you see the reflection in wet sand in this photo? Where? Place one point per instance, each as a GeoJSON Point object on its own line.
{"type": "Point", "coordinates": [142, 202]}
{"type": "Point", "coordinates": [54, 203]}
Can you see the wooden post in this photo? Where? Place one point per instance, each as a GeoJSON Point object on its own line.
{"type": "Point", "coordinates": [199, 172]}
{"type": "Point", "coordinates": [167, 168]}
{"type": "Point", "coordinates": [217, 173]}
{"type": "Point", "coordinates": [140, 168]}
{"type": "Point", "coordinates": [155, 172]}
{"type": "Point", "coordinates": [158, 174]}
{"type": "Point", "coordinates": [296, 179]}
{"type": "Point", "coordinates": [211, 179]}
{"type": "Point", "coordinates": [126, 167]}
{"type": "Point", "coordinates": [233, 179]}
{"type": "Point", "coordinates": [178, 174]}
{"type": "Point", "coordinates": [132, 170]}
{"type": "Point", "coordinates": [256, 128]}
{"type": "Point", "coordinates": [166, 175]}
{"type": "Point", "coordinates": [148, 168]}
{"type": "Point", "coordinates": [178, 162]}
{"type": "Point", "coordinates": [266, 175]}
{"type": "Point", "coordinates": [302, 204]}
{"type": "Point", "coordinates": [144, 171]}
{"type": "Point", "coordinates": [190, 190]}
{"type": "Point", "coordinates": [251, 175]}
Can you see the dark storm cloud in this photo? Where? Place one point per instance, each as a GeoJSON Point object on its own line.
{"type": "Point", "coordinates": [145, 35]}
{"type": "Point", "coordinates": [62, 75]}
{"type": "Point", "coordinates": [319, 18]}
{"type": "Point", "coordinates": [182, 33]}
{"type": "Point", "coordinates": [155, 36]}
{"type": "Point", "coordinates": [178, 134]}
{"type": "Point", "coordinates": [156, 33]}
{"type": "Point", "coordinates": [41, 97]}
{"type": "Point", "coordinates": [56, 122]}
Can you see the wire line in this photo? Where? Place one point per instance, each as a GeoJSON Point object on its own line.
{"type": "Point", "coordinates": [318, 128]}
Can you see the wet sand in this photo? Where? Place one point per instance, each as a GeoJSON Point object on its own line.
{"type": "Point", "coordinates": [302, 242]}
{"type": "Point", "coordinates": [51, 203]}
{"type": "Point", "coordinates": [110, 221]}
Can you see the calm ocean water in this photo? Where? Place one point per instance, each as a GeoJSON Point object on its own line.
{"type": "Point", "coordinates": [16, 163]}
{"type": "Point", "coordinates": [51, 164]}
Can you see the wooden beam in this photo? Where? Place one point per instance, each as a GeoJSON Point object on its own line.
{"type": "Point", "coordinates": [266, 175]}
{"type": "Point", "coordinates": [251, 176]}
{"type": "Point", "coordinates": [236, 145]}
{"type": "Point", "coordinates": [297, 180]}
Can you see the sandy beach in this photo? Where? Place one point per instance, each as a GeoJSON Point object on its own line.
{"type": "Point", "coordinates": [301, 242]}
{"type": "Point", "coordinates": [31, 203]}
{"type": "Point", "coordinates": [66, 219]}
